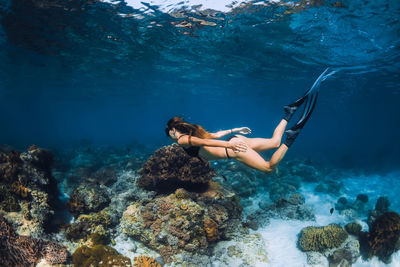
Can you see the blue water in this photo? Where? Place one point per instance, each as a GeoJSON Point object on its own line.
{"type": "Point", "coordinates": [112, 73]}
{"type": "Point", "coordinates": [83, 70]}
{"type": "Point", "coordinates": [87, 70]}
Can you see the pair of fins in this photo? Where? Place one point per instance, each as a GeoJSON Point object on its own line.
{"type": "Point", "coordinates": [309, 99]}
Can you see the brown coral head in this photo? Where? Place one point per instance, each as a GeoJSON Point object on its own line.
{"type": "Point", "coordinates": [145, 261]}
{"type": "Point", "coordinates": [3, 158]}
{"type": "Point", "coordinates": [20, 190]}
{"type": "Point", "coordinates": [32, 147]}
{"type": "Point", "coordinates": [171, 167]}
{"type": "Point", "coordinates": [211, 229]}
{"type": "Point", "coordinates": [13, 157]}
{"type": "Point", "coordinates": [384, 236]}
{"type": "Point", "coordinates": [182, 193]}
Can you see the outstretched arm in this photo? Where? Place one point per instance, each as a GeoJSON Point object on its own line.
{"type": "Point", "coordinates": [235, 145]}
{"type": "Point", "coordinates": [242, 130]}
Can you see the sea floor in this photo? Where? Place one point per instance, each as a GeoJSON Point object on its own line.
{"type": "Point", "coordinates": [281, 235]}
{"type": "Point", "coordinates": [270, 237]}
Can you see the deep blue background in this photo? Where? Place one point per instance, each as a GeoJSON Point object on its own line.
{"type": "Point", "coordinates": [77, 70]}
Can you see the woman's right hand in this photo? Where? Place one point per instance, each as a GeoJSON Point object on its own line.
{"type": "Point", "coordinates": [238, 145]}
{"type": "Point", "coordinates": [243, 130]}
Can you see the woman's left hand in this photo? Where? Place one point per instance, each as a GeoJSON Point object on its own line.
{"type": "Point", "coordinates": [243, 130]}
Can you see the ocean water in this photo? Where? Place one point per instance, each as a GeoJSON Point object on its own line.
{"type": "Point", "coordinates": [111, 73]}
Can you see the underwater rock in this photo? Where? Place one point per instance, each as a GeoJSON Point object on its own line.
{"type": "Point", "coordinates": [94, 223]}
{"type": "Point", "coordinates": [383, 237]}
{"type": "Point", "coordinates": [99, 255]}
{"type": "Point", "coordinates": [321, 238]}
{"type": "Point", "coordinates": [362, 197]}
{"type": "Point", "coordinates": [307, 172]}
{"type": "Point", "coordinates": [340, 258]}
{"type": "Point", "coordinates": [330, 187]}
{"type": "Point", "coordinates": [239, 178]}
{"type": "Point", "coordinates": [292, 207]}
{"type": "Point", "coordinates": [353, 210]}
{"type": "Point", "coordinates": [341, 204]}
{"type": "Point", "coordinates": [280, 191]}
{"type": "Point", "coordinates": [87, 198]}
{"type": "Point", "coordinates": [242, 250]}
{"type": "Point", "coordinates": [344, 255]}
{"type": "Point", "coordinates": [381, 206]}
{"type": "Point", "coordinates": [170, 167]}
{"type": "Point", "coordinates": [18, 250]}
{"type": "Point", "coordinates": [106, 176]}
{"type": "Point", "coordinates": [26, 185]}
{"type": "Point", "coordinates": [352, 246]}
{"type": "Point", "coordinates": [353, 228]}
{"type": "Point", "coordinates": [316, 259]}
{"type": "Point", "coordinates": [172, 224]}
{"type": "Point", "coordinates": [145, 261]}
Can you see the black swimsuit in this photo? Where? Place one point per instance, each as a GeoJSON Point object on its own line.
{"type": "Point", "coordinates": [192, 151]}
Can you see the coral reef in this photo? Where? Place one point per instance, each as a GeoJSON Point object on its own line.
{"type": "Point", "coordinates": [381, 206]}
{"type": "Point", "coordinates": [321, 238]}
{"type": "Point", "coordinates": [99, 255]}
{"type": "Point", "coordinates": [26, 251]}
{"type": "Point", "coordinates": [362, 197]}
{"type": "Point", "coordinates": [305, 170]}
{"type": "Point", "coordinates": [345, 254]}
{"type": "Point", "coordinates": [383, 237]}
{"type": "Point", "coordinates": [331, 187]}
{"type": "Point", "coordinates": [144, 261]}
{"type": "Point", "coordinates": [94, 223]}
{"type": "Point", "coordinates": [340, 258]}
{"type": "Point", "coordinates": [239, 178]}
{"type": "Point", "coordinates": [171, 167]}
{"type": "Point", "coordinates": [171, 224]}
{"type": "Point", "coordinates": [106, 176]}
{"type": "Point", "coordinates": [241, 250]}
{"type": "Point", "coordinates": [353, 228]}
{"type": "Point", "coordinates": [8, 200]}
{"type": "Point", "coordinates": [291, 207]}
{"type": "Point", "coordinates": [211, 229]}
{"type": "Point", "coordinates": [353, 210]}
{"type": "Point", "coordinates": [86, 198]}
{"type": "Point", "coordinates": [26, 185]}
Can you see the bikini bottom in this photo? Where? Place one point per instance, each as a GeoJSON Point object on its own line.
{"type": "Point", "coordinates": [226, 149]}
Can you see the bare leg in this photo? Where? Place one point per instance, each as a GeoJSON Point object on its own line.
{"type": "Point", "coordinates": [263, 144]}
{"type": "Point", "coordinates": [252, 159]}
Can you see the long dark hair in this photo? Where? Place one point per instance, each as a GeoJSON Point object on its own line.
{"type": "Point", "coordinates": [186, 128]}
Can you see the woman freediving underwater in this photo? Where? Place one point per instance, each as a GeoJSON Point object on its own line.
{"type": "Point", "coordinates": [198, 142]}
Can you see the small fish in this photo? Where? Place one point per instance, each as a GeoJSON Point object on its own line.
{"type": "Point", "coordinates": [331, 211]}
{"type": "Point", "coordinates": [225, 179]}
